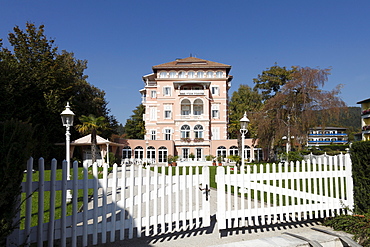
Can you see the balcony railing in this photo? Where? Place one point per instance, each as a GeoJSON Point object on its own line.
{"type": "Point", "coordinates": [192, 117]}
{"type": "Point", "coordinates": [329, 134]}
{"type": "Point", "coordinates": [192, 92]}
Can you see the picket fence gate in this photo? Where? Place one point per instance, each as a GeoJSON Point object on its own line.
{"type": "Point", "coordinates": [150, 203]}
{"type": "Point", "coordinates": [134, 201]}
{"type": "Point", "coordinates": [273, 193]}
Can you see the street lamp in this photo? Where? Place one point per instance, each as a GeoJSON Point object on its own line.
{"type": "Point", "coordinates": [67, 119]}
{"type": "Point", "coordinates": [243, 130]}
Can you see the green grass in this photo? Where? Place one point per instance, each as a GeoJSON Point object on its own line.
{"type": "Point", "coordinates": [58, 196]}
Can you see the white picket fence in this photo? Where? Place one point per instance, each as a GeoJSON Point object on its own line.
{"type": "Point", "coordinates": [284, 192]}
{"type": "Point", "coordinates": [150, 203]}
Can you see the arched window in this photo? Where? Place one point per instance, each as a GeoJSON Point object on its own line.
{"type": "Point", "coordinates": [185, 107]}
{"type": "Point", "coordinates": [139, 152]}
{"type": "Point", "coordinates": [200, 74]}
{"type": "Point", "coordinates": [182, 74]}
{"type": "Point", "coordinates": [126, 152]}
{"type": "Point", "coordinates": [172, 74]}
{"type": "Point", "coordinates": [150, 153]}
{"type": "Point", "coordinates": [198, 131]}
{"type": "Point", "coordinates": [210, 74]}
{"type": "Point", "coordinates": [191, 74]}
{"type": "Point", "coordinates": [198, 107]}
{"type": "Point", "coordinates": [162, 154]}
{"type": "Point", "coordinates": [219, 74]}
{"type": "Point", "coordinates": [163, 75]}
{"type": "Point", "coordinates": [185, 131]}
{"type": "Point", "coordinates": [221, 151]}
{"type": "Point", "coordinates": [233, 150]}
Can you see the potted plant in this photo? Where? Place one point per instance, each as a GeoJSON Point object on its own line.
{"type": "Point", "coordinates": [174, 159]}
{"type": "Point", "coordinates": [169, 160]}
{"type": "Point", "coordinates": [219, 160]}
{"type": "Point", "coordinates": [191, 156]}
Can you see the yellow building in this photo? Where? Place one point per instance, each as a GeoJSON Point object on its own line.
{"type": "Point", "coordinates": [365, 119]}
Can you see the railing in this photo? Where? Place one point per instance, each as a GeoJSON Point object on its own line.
{"type": "Point", "coordinates": [329, 134]}
{"type": "Point", "coordinates": [192, 117]}
{"type": "Point", "coordinates": [192, 92]}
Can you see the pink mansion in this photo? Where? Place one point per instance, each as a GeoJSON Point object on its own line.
{"type": "Point", "coordinates": [186, 112]}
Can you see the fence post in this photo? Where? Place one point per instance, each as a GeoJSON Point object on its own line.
{"type": "Point", "coordinates": [220, 180]}
{"type": "Point", "coordinates": [349, 179]}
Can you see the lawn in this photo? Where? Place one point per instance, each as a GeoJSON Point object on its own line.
{"type": "Point", "coordinates": [58, 196]}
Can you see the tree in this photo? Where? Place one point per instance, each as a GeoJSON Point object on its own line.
{"type": "Point", "coordinates": [92, 125]}
{"type": "Point", "coordinates": [16, 143]}
{"type": "Point", "coordinates": [295, 106]}
{"type": "Point", "coordinates": [272, 79]}
{"type": "Point", "coordinates": [243, 100]}
{"type": "Point", "coordinates": [36, 81]}
{"type": "Point", "coordinates": [135, 126]}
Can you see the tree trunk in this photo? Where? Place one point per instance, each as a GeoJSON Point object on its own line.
{"type": "Point", "coordinates": [93, 146]}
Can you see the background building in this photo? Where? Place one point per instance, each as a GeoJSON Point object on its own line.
{"type": "Point", "coordinates": [320, 136]}
{"type": "Point", "coordinates": [365, 119]}
{"type": "Point", "coordinates": [186, 112]}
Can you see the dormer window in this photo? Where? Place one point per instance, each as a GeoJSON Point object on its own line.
{"type": "Point", "coordinates": [181, 74]}
{"type": "Point", "coordinates": [209, 74]}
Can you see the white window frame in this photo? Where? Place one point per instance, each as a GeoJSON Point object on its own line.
{"type": "Point", "coordinates": [167, 91]}
{"type": "Point", "coordinates": [200, 74]}
{"type": "Point", "coordinates": [153, 135]}
{"type": "Point", "coordinates": [191, 74]}
{"type": "Point", "coordinates": [167, 134]}
{"type": "Point", "coordinates": [153, 94]}
{"type": "Point", "coordinates": [210, 74]}
{"type": "Point", "coordinates": [172, 74]}
{"type": "Point", "coordinates": [215, 133]}
{"type": "Point", "coordinates": [163, 74]}
{"type": "Point", "coordinates": [219, 74]}
{"type": "Point", "coordinates": [215, 111]}
{"type": "Point", "coordinates": [215, 90]}
{"type": "Point", "coordinates": [167, 111]}
{"type": "Point", "coordinates": [182, 74]}
{"type": "Point", "coordinates": [153, 113]}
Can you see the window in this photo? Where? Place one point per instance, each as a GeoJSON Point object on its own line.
{"type": "Point", "coordinates": [215, 111]}
{"type": "Point", "coordinates": [126, 153]}
{"type": "Point", "coordinates": [185, 107]}
{"type": "Point", "coordinates": [167, 134]}
{"type": "Point", "coordinates": [258, 154]}
{"type": "Point", "coordinates": [181, 74]}
{"type": "Point", "coordinates": [215, 133]}
{"type": "Point", "coordinates": [167, 111]}
{"type": "Point", "coordinates": [221, 151]}
{"type": "Point", "coordinates": [167, 91]}
{"type": "Point", "coordinates": [185, 153]}
{"type": "Point", "coordinates": [162, 154]}
{"type": "Point", "coordinates": [200, 74]}
{"type": "Point", "coordinates": [191, 75]}
{"type": "Point", "coordinates": [153, 94]}
{"type": "Point", "coordinates": [198, 152]}
{"type": "Point", "coordinates": [163, 75]}
{"type": "Point", "coordinates": [219, 74]}
{"type": "Point", "coordinates": [139, 152]}
{"type": "Point", "coordinates": [153, 134]}
{"type": "Point", "coordinates": [153, 113]}
{"type": "Point", "coordinates": [214, 90]}
{"type": "Point", "coordinates": [198, 131]}
{"type": "Point", "coordinates": [150, 153]}
{"type": "Point", "coordinates": [198, 107]}
{"type": "Point", "coordinates": [185, 131]}
{"type": "Point", "coordinates": [233, 150]}
{"type": "Point", "coordinates": [172, 74]}
{"type": "Point", "coordinates": [209, 74]}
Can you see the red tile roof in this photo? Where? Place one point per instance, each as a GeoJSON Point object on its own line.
{"type": "Point", "coordinates": [191, 62]}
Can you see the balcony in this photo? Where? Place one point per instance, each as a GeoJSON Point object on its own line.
{"type": "Point", "coordinates": [329, 134]}
{"type": "Point", "coordinates": [192, 117]}
{"type": "Point", "coordinates": [192, 92]}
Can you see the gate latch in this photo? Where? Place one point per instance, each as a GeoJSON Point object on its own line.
{"type": "Point", "coordinates": [206, 190]}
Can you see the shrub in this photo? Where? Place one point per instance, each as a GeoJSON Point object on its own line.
{"type": "Point", "coordinates": [15, 150]}
{"type": "Point", "coordinates": [360, 156]}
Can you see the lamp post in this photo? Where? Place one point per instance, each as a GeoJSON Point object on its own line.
{"type": "Point", "coordinates": [67, 119]}
{"type": "Point", "coordinates": [243, 130]}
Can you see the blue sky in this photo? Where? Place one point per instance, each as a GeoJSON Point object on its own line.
{"type": "Point", "coordinates": [122, 40]}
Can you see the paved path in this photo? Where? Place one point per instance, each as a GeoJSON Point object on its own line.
{"type": "Point", "coordinates": [269, 235]}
